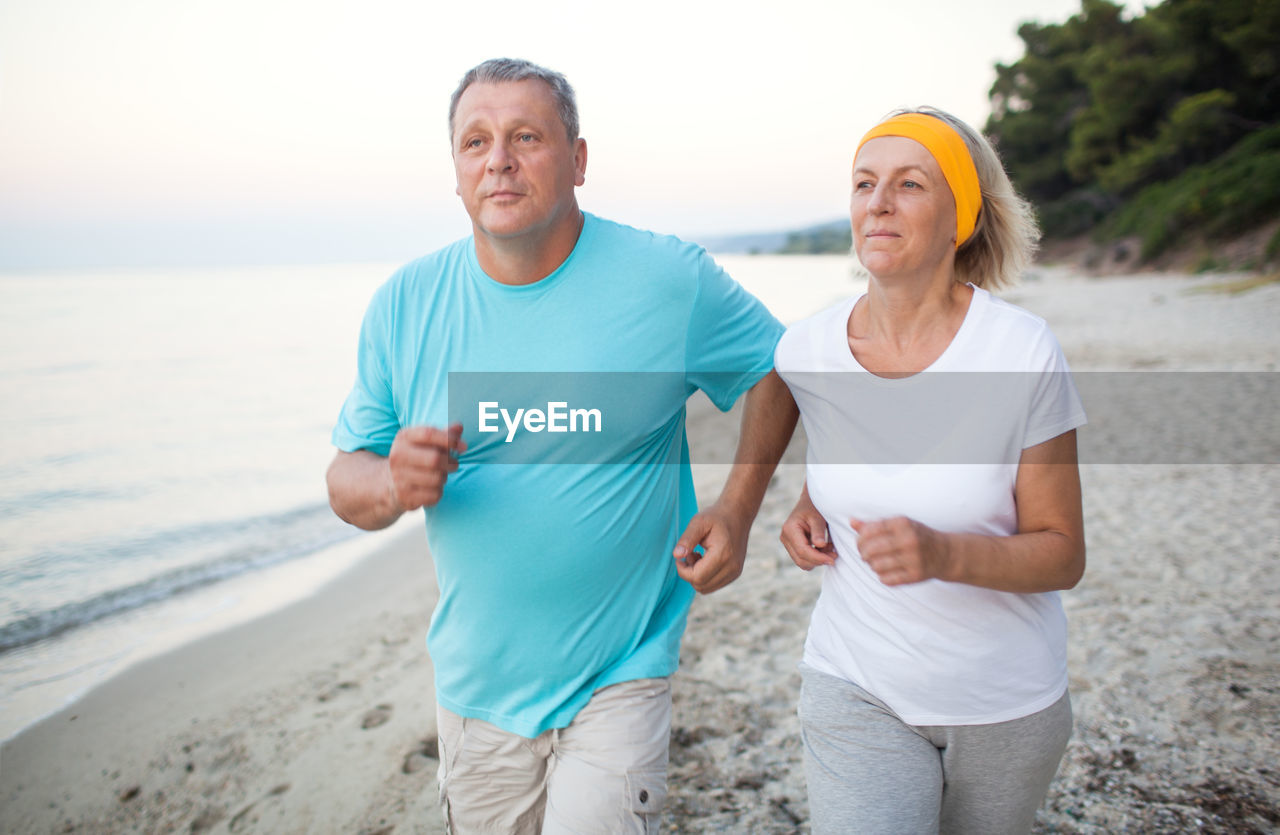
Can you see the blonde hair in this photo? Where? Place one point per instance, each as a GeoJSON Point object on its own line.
{"type": "Point", "coordinates": [1006, 236]}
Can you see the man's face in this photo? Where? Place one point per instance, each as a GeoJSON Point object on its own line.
{"type": "Point", "coordinates": [515, 164]}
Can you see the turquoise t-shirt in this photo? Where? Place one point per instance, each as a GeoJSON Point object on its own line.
{"type": "Point", "coordinates": [552, 542]}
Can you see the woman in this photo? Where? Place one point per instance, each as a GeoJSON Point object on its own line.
{"type": "Point", "coordinates": [945, 505]}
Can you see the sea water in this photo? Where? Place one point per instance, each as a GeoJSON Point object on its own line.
{"type": "Point", "coordinates": [163, 441]}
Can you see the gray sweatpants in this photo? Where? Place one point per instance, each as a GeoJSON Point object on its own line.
{"type": "Point", "coordinates": [869, 772]}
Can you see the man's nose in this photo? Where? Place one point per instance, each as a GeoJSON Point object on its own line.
{"type": "Point", "coordinates": [500, 158]}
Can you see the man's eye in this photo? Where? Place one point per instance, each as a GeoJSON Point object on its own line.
{"type": "Point", "coordinates": [526, 137]}
{"type": "Point", "coordinates": [910, 184]}
{"type": "Point", "coordinates": [865, 184]}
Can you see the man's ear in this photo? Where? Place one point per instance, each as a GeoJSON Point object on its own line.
{"type": "Point", "coordinates": [580, 161]}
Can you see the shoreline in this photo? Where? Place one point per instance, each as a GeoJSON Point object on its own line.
{"type": "Point", "coordinates": [118, 641]}
{"type": "Point", "coordinates": [1172, 654]}
{"type": "Point", "coordinates": [159, 732]}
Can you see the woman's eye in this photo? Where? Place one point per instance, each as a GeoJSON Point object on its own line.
{"type": "Point", "coordinates": [910, 184]}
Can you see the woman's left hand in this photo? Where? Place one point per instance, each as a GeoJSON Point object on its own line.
{"type": "Point", "coordinates": [901, 550]}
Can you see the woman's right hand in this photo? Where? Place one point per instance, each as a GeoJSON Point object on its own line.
{"type": "Point", "coordinates": [805, 535]}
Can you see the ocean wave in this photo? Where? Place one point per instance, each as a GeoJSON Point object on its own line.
{"type": "Point", "coordinates": [234, 548]}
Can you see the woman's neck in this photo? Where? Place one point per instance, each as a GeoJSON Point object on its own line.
{"type": "Point", "coordinates": [902, 327]}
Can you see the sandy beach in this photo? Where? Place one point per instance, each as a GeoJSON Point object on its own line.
{"type": "Point", "coordinates": [320, 717]}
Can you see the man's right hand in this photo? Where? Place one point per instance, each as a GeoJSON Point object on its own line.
{"type": "Point", "coordinates": [420, 461]}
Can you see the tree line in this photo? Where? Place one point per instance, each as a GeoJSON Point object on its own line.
{"type": "Point", "coordinates": [1164, 125]}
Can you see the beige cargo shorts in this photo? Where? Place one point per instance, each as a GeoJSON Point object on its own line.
{"type": "Point", "coordinates": [606, 772]}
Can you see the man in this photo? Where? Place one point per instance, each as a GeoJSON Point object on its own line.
{"type": "Point", "coordinates": [557, 555]}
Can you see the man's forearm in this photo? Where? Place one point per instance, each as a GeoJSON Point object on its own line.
{"type": "Point", "coordinates": [360, 490]}
{"type": "Point", "coordinates": [768, 421]}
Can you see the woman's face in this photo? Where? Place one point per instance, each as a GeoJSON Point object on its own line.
{"type": "Point", "coordinates": [902, 212]}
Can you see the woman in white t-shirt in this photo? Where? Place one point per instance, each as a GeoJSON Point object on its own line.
{"type": "Point", "coordinates": [943, 498]}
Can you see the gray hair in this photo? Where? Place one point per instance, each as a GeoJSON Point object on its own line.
{"type": "Point", "coordinates": [503, 70]}
{"type": "Point", "coordinates": [1006, 236]}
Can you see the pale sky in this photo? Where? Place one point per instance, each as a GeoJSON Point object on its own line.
{"type": "Point", "coordinates": [239, 131]}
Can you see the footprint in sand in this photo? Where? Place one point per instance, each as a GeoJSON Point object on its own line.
{"type": "Point", "coordinates": [333, 692]}
{"type": "Point", "coordinates": [425, 754]}
{"type": "Point", "coordinates": [207, 819]}
{"type": "Point", "coordinates": [378, 716]}
{"type": "Point", "coordinates": [243, 816]}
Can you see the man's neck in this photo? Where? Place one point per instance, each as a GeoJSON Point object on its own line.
{"type": "Point", "coordinates": [529, 258]}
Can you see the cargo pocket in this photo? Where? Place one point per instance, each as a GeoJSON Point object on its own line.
{"type": "Point", "coordinates": [646, 795]}
{"type": "Point", "coordinates": [449, 732]}
{"type": "Point", "coordinates": [442, 795]}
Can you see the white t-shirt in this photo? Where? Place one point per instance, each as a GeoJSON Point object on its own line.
{"type": "Point", "coordinates": [940, 447]}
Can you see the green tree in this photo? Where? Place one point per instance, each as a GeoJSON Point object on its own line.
{"type": "Point", "coordinates": [1038, 100]}
{"type": "Point", "coordinates": [1103, 106]}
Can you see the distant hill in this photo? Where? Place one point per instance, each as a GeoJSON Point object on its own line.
{"type": "Point", "coordinates": [830, 237]}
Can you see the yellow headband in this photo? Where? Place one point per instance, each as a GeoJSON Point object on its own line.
{"type": "Point", "coordinates": [946, 146]}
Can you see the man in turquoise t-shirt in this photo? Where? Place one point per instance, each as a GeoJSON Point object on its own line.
{"type": "Point", "coordinates": [526, 386]}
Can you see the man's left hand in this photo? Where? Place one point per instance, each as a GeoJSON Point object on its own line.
{"type": "Point", "coordinates": [723, 537]}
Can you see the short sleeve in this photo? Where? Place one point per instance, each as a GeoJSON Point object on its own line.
{"type": "Point", "coordinates": [731, 337]}
{"type": "Point", "coordinates": [368, 417]}
{"type": "Point", "coordinates": [1055, 402]}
